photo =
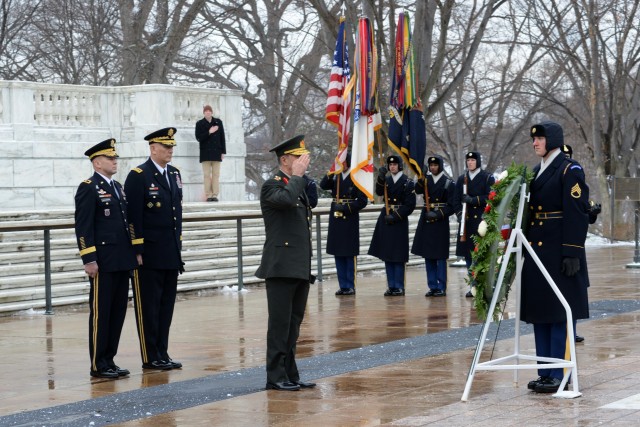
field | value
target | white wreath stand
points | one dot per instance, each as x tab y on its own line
517	241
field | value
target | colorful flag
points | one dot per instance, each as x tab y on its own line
366	117
407	130
338	111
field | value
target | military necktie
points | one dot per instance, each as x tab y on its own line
114	190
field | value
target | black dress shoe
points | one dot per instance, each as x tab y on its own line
387	293
160	365
214	199
579	338
469	295
397	292
549	385
174	364
283	386
120	371
346	291
209	199
430	293
532	384
104	373
304	384
439	293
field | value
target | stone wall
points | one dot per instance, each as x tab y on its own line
46	128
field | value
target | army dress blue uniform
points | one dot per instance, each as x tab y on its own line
343	237
557	233
390	241
155	215
433	234
286	267
102	234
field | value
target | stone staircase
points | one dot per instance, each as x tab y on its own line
209	251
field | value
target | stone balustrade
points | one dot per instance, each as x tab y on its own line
46	128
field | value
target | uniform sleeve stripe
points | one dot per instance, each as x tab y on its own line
137	241
87	251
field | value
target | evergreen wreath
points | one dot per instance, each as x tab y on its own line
498	220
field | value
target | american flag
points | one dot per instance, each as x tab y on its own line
338	107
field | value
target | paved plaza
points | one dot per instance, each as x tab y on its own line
400	361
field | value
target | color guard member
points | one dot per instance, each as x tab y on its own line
343	238
478	186
390	241
432	234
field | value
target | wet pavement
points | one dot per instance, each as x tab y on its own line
377	360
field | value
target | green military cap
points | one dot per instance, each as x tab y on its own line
294	146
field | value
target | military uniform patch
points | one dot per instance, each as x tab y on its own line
576	191
87	181
137	170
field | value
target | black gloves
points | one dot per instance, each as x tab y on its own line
595	209
383	171
431	215
459	216
468	199
389	219
339	207
570	266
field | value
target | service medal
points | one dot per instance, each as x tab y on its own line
158	205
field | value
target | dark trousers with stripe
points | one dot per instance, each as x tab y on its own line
154	296
346	267
395	274
286	300
436	274
551	341
108	296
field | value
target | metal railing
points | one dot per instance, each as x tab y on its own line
46	225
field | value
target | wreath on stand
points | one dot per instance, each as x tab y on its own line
499	218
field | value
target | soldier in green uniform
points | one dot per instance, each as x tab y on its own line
286	261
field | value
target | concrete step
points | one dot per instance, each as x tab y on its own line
209	251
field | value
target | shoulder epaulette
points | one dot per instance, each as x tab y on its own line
87	181
137	170
176	168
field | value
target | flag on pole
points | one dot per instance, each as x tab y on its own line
407	129
366	117
338	111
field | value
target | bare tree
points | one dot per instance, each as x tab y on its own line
16	19
152	35
596	45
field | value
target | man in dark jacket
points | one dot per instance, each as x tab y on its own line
286	261
106	251
557	232
154	189
210	135
390	241
432	234
472	189
343	238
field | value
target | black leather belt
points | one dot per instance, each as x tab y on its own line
437	205
548	215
